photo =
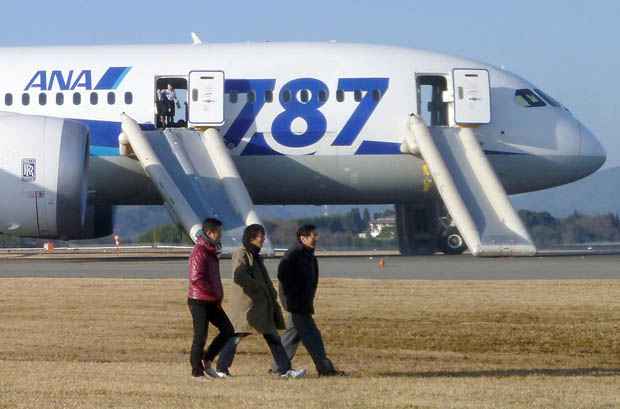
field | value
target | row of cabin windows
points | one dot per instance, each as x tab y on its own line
76	98
305	96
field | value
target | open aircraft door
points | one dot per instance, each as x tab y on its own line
461	172
192	168
206	99
472	96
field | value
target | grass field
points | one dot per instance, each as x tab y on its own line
103	343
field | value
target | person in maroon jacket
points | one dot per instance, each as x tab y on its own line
205	296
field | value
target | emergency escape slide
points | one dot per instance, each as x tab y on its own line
195	175
471	191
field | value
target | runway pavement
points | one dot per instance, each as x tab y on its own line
423	267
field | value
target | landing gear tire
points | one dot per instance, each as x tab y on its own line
451	242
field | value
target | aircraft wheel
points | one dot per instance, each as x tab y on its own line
452	243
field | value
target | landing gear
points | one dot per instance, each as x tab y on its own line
426	227
415	228
451	242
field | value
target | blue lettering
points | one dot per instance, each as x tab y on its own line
58	77
301	98
364	110
38	81
83	80
253	106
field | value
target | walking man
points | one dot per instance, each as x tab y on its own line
298	274
205	296
254	305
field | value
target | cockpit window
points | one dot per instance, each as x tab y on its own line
526	98
547	98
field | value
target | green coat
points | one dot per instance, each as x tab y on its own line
253	298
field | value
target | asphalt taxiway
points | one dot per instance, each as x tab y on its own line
435	267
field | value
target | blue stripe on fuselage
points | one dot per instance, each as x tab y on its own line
104	136
104	142
378	148
103	150
112	78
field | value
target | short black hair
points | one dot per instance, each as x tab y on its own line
305	230
211	224
251	232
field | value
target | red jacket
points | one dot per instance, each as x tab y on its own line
205	283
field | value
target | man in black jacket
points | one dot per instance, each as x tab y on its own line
298	274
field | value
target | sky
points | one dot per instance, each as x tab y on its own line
571	49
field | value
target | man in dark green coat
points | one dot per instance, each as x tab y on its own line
254	304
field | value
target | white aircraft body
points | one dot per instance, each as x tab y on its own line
301	123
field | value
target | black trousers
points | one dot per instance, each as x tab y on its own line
171	112
204	313
302	329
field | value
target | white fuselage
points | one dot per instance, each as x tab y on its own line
305	122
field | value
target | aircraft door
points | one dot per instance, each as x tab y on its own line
472	96
206	98
433	99
170	99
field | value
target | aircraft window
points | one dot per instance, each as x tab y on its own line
357	95
94	98
526	98
233	97
304	96
60	98
42	99
547	98
128	98
340	95
376	94
269	96
251	97
8	99
111	98
77	98
25	99
322	95
286	96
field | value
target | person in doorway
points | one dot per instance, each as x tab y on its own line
171	102
205	296
298	274
161	106
255	305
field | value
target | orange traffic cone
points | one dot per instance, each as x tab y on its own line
48	246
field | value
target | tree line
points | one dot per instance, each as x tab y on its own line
341	231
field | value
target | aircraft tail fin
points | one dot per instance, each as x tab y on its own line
196	40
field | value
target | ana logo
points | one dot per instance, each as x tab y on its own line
29	170
74	79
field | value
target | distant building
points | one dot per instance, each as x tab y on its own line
378	226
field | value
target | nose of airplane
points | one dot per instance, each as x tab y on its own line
592	153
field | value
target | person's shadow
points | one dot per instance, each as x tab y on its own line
504	373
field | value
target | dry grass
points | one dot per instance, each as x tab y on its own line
80	343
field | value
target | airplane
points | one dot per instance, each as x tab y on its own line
444	138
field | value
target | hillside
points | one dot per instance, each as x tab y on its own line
597	194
